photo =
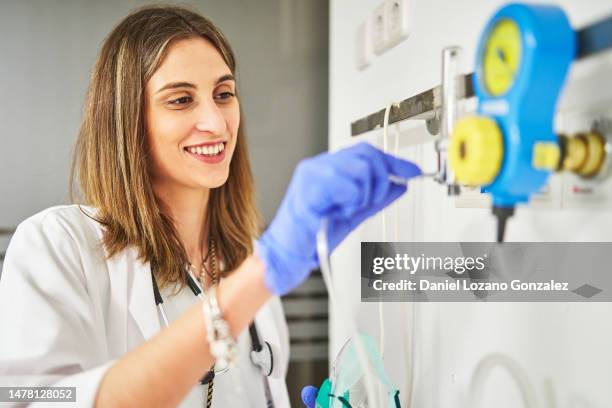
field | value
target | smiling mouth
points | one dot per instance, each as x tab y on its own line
207	150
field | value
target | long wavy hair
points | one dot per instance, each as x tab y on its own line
110	162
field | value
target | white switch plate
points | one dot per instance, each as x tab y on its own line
378	25
398	25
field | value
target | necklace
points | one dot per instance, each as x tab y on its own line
212	254
204	267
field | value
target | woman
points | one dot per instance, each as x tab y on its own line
162	167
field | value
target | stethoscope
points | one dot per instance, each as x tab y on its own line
261	353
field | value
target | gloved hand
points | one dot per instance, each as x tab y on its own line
346	187
309	396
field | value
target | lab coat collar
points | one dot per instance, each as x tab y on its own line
141	302
131	280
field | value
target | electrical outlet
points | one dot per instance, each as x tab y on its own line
378	24
398	26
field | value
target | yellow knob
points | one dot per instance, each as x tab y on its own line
546	156
596	154
576	152
585	153
476	150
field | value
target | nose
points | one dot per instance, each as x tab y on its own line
211	119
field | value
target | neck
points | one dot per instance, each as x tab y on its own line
188	210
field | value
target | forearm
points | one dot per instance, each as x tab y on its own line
163	370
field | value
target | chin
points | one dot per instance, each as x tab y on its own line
216	182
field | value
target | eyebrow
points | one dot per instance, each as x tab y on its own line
174	85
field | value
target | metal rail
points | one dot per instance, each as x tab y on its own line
420	106
592	39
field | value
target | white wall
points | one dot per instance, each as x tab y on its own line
563	345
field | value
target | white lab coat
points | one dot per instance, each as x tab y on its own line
67	313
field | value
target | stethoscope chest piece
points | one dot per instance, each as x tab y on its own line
263	358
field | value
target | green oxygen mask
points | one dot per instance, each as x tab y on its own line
347	389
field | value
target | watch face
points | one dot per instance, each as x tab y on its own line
501	57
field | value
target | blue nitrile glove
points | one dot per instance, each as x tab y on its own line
314	397
345	187
309	396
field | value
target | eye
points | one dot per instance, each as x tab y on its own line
183	100
224	95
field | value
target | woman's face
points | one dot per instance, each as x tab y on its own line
192	117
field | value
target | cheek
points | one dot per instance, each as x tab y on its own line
164	134
163	130
233	123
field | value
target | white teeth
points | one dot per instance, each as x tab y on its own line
207	150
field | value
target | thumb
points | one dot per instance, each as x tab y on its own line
309	396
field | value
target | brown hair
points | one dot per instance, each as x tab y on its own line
111	152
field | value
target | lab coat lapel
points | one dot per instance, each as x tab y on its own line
141	300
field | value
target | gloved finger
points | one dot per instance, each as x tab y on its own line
376	174
358	169
401	167
339	228
374	181
379	174
382	165
369	169
355	162
328	191
395	192
309	396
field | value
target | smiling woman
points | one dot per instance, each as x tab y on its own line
184	107
165	199
194	198
141	294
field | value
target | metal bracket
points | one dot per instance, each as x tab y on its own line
426	106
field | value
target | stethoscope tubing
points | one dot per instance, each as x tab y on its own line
197	291
256	343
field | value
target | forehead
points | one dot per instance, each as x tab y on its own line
193	60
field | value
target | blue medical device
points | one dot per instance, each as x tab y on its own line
525	112
509	148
